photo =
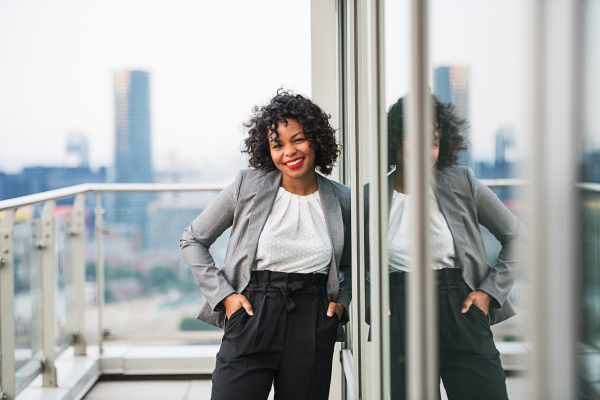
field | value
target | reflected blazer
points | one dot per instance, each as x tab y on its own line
465	203
244	206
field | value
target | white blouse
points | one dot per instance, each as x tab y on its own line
442	244
295	237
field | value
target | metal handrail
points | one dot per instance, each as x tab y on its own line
71	191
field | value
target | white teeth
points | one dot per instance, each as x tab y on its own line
295	162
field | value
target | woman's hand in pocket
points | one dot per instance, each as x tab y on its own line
480	300
337	308
235	302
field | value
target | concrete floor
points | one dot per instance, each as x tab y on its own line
200	390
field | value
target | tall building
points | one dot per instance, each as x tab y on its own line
133	152
506	146
452	85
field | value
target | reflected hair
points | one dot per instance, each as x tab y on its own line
262	128
449	124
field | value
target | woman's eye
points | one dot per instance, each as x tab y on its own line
300	140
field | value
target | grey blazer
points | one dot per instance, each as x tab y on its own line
465	203
245	205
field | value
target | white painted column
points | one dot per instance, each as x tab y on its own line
555	249
324	62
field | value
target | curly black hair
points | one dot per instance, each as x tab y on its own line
283	106
450	126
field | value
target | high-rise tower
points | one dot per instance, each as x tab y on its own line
133	152
133	155
451	84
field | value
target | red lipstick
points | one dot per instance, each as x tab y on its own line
296	165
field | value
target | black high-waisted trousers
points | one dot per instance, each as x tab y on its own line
287	343
469	361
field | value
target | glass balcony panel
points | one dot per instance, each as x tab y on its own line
150	291
63	270
28	296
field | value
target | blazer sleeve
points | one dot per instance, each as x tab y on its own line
201	234
509	231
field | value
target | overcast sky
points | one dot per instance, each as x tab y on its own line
211	61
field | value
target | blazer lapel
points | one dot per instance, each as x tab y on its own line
451	212
333	215
261	208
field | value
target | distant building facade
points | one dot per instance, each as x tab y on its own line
133	150
33	180
452	85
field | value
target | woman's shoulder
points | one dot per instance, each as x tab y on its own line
461	178
250	177
339	189
458	174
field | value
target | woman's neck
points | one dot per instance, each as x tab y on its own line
399	185
302	185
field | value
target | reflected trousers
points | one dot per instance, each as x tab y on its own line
288	343
469	362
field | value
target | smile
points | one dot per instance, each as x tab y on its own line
295	163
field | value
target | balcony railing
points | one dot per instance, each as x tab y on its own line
31	251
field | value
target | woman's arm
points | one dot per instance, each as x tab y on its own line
509	231
201	234
345	268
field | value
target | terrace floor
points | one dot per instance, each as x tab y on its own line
200	390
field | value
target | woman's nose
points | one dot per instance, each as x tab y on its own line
289	150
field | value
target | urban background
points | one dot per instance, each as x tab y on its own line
105	96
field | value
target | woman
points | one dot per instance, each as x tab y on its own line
285	285
471	293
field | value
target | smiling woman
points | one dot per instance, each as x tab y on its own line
284	289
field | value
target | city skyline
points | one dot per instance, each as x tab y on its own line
208	72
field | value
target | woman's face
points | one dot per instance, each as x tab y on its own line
402	152
292	153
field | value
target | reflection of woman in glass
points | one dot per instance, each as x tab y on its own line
472	294
281	293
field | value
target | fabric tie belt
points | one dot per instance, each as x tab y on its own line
448	280
280	287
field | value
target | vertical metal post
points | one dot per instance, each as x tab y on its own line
554	246
357	197
99	212
423	377
78	238
378	212
360	178
48	323
7	318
